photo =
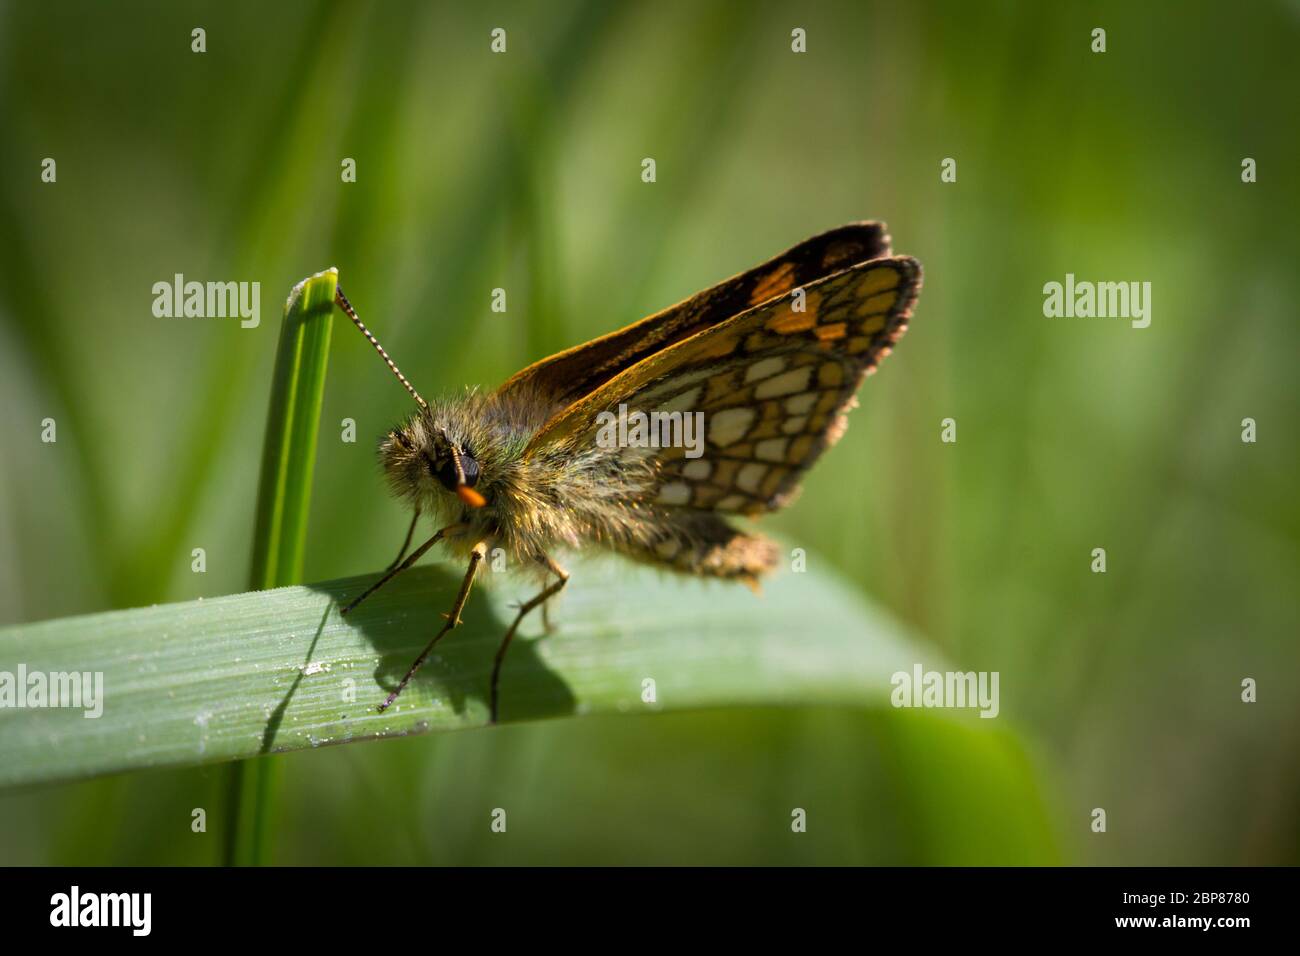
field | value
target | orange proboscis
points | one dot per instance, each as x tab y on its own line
470	497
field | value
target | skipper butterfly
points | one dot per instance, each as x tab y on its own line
768	362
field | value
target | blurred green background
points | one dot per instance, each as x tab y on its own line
523	171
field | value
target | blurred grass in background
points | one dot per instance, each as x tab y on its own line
523	171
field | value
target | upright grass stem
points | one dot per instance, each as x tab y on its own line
280	532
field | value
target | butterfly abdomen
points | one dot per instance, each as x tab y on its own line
706	545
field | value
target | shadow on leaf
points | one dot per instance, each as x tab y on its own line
399	619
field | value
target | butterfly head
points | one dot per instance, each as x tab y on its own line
423	462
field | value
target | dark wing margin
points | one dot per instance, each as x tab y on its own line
576	372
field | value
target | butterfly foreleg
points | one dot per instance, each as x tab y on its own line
453	621
540	598
407	543
414	556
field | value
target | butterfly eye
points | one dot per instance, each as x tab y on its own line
446	472
469	465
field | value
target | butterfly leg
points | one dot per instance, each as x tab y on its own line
453	621
407	543
541	598
414	556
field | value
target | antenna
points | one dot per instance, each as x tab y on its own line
346	306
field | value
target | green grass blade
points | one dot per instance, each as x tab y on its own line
283	504
293	421
270	671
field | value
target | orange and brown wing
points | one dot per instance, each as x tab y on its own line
773	382
576	372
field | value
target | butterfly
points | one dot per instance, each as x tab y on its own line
765	365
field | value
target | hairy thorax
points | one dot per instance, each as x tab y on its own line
535	499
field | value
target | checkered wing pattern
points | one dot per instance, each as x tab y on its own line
774	383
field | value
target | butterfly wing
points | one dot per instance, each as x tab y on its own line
774	383
572	374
